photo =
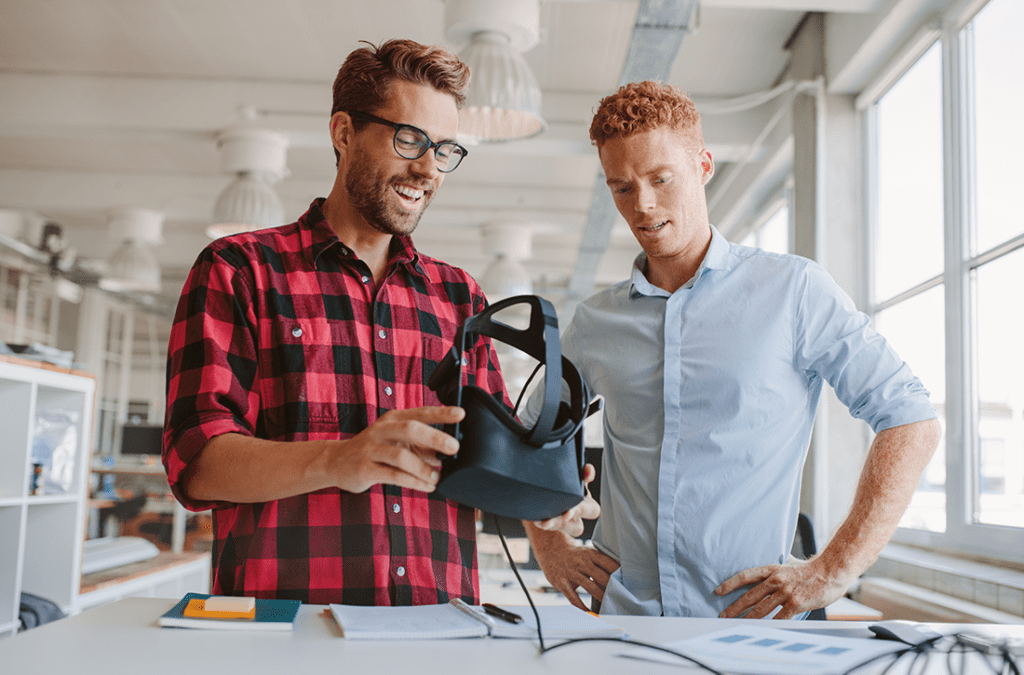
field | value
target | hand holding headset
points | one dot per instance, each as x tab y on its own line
502	467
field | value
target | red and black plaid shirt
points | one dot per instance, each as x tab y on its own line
280	334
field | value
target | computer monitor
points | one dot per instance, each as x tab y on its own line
141	439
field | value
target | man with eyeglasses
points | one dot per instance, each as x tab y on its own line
297	404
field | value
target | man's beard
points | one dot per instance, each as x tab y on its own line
368	193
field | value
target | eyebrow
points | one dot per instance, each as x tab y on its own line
656	170
443	140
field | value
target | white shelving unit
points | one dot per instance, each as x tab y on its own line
40	535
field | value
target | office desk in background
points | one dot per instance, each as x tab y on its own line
123	639
151	468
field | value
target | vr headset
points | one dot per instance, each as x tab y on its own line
502	467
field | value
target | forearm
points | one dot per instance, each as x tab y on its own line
544	541
891	472
241	469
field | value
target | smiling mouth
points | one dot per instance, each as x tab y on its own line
408	194
653	228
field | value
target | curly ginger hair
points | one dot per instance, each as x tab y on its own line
643	106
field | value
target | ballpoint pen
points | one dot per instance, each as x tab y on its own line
502	614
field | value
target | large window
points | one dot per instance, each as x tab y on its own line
947	260
773	233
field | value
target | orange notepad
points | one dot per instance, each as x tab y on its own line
199	610
196	609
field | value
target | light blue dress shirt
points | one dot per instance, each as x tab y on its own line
710	394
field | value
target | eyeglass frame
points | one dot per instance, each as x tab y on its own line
430	145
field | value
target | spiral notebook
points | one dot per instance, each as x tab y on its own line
460	620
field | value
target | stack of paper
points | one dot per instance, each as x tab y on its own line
435	622
750	649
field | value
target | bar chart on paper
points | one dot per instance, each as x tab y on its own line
757	650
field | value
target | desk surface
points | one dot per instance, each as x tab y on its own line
124	637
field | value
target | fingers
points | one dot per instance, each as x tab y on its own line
569	522
415	427
574	599
400	448
745	578
749	601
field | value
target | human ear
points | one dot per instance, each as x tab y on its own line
707	165
341	131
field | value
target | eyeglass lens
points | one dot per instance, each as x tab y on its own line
411	143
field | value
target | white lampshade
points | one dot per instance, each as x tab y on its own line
509	242
256	158
503	103
504	278
247	203
133	266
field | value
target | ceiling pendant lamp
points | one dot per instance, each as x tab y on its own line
256	158
133	267
504	100
510	243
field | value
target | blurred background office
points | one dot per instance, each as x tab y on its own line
878	137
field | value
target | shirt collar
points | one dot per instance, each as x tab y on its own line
317	236
715	259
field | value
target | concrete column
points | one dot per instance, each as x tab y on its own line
828	226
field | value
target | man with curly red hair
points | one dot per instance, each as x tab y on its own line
711	359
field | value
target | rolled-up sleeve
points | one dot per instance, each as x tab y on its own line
834	341
211	365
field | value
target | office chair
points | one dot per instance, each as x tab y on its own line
122	511
804	547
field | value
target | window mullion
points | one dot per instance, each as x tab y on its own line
960	371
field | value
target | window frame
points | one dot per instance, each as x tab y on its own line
955	37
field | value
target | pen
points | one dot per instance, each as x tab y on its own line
502	614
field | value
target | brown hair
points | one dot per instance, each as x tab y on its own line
364	80
643	106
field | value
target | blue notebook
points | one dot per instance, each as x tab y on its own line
269	615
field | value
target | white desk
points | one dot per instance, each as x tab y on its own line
123	638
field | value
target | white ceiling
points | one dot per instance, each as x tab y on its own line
107	103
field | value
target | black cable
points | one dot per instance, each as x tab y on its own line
540	633
922	653
519	399
536	615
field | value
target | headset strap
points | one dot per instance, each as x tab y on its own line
540	340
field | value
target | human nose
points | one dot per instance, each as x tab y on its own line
644	199
426	165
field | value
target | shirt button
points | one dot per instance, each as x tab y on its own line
382	333
465	362
400	571
387	390
366	279
396	508
296	332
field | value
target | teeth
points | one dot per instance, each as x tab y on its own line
655	228
408	192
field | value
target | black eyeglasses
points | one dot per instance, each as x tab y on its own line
413	143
